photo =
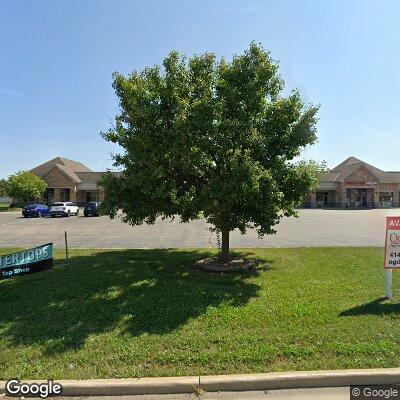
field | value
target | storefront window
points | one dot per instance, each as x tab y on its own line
386	199
65	194
322	199
359	197
92	197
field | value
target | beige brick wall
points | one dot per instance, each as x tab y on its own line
362	174
57	179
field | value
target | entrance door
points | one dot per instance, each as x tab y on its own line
361	198
322	199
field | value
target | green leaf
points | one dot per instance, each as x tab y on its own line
208	138
24	186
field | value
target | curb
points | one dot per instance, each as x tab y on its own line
301	379
231	383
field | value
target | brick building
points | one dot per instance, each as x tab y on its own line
351	184
69	180
356	184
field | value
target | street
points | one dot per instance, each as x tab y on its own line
338	393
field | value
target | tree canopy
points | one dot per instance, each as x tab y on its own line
24	186
210	138
2	187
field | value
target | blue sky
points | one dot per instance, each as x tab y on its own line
57	58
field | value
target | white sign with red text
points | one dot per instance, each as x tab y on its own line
392	243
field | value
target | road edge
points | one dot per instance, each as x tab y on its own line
214	383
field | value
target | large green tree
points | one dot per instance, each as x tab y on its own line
2	187
24	186
210	138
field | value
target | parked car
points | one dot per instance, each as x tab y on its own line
35	210
64	209
91	208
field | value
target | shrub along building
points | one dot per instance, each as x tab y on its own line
356	184
69	180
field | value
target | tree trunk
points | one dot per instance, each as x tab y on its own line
225	243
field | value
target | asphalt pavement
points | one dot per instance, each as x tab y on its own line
337	393
312	228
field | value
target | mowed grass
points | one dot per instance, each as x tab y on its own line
134	313
6	207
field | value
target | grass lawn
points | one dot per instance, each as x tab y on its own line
146	313
6	207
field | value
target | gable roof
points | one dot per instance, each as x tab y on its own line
350	165
91	176
76	171
69	167
346	163
327	176
67	171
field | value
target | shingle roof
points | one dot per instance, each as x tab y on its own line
77	171
70	167
346	163
89	176
93	177
327	176
68	171
75	166
344	169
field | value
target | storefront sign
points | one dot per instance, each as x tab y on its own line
361	183
392	243
27	261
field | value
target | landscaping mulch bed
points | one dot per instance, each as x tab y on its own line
226	265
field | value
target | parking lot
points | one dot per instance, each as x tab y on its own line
312	228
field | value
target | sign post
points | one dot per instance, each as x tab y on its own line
66	248
392	252
388	284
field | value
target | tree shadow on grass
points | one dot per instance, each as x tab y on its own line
129	291
380	306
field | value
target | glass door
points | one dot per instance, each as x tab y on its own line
361	198
322	199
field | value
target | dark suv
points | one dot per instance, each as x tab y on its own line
91	208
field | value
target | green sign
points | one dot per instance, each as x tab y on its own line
37	259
